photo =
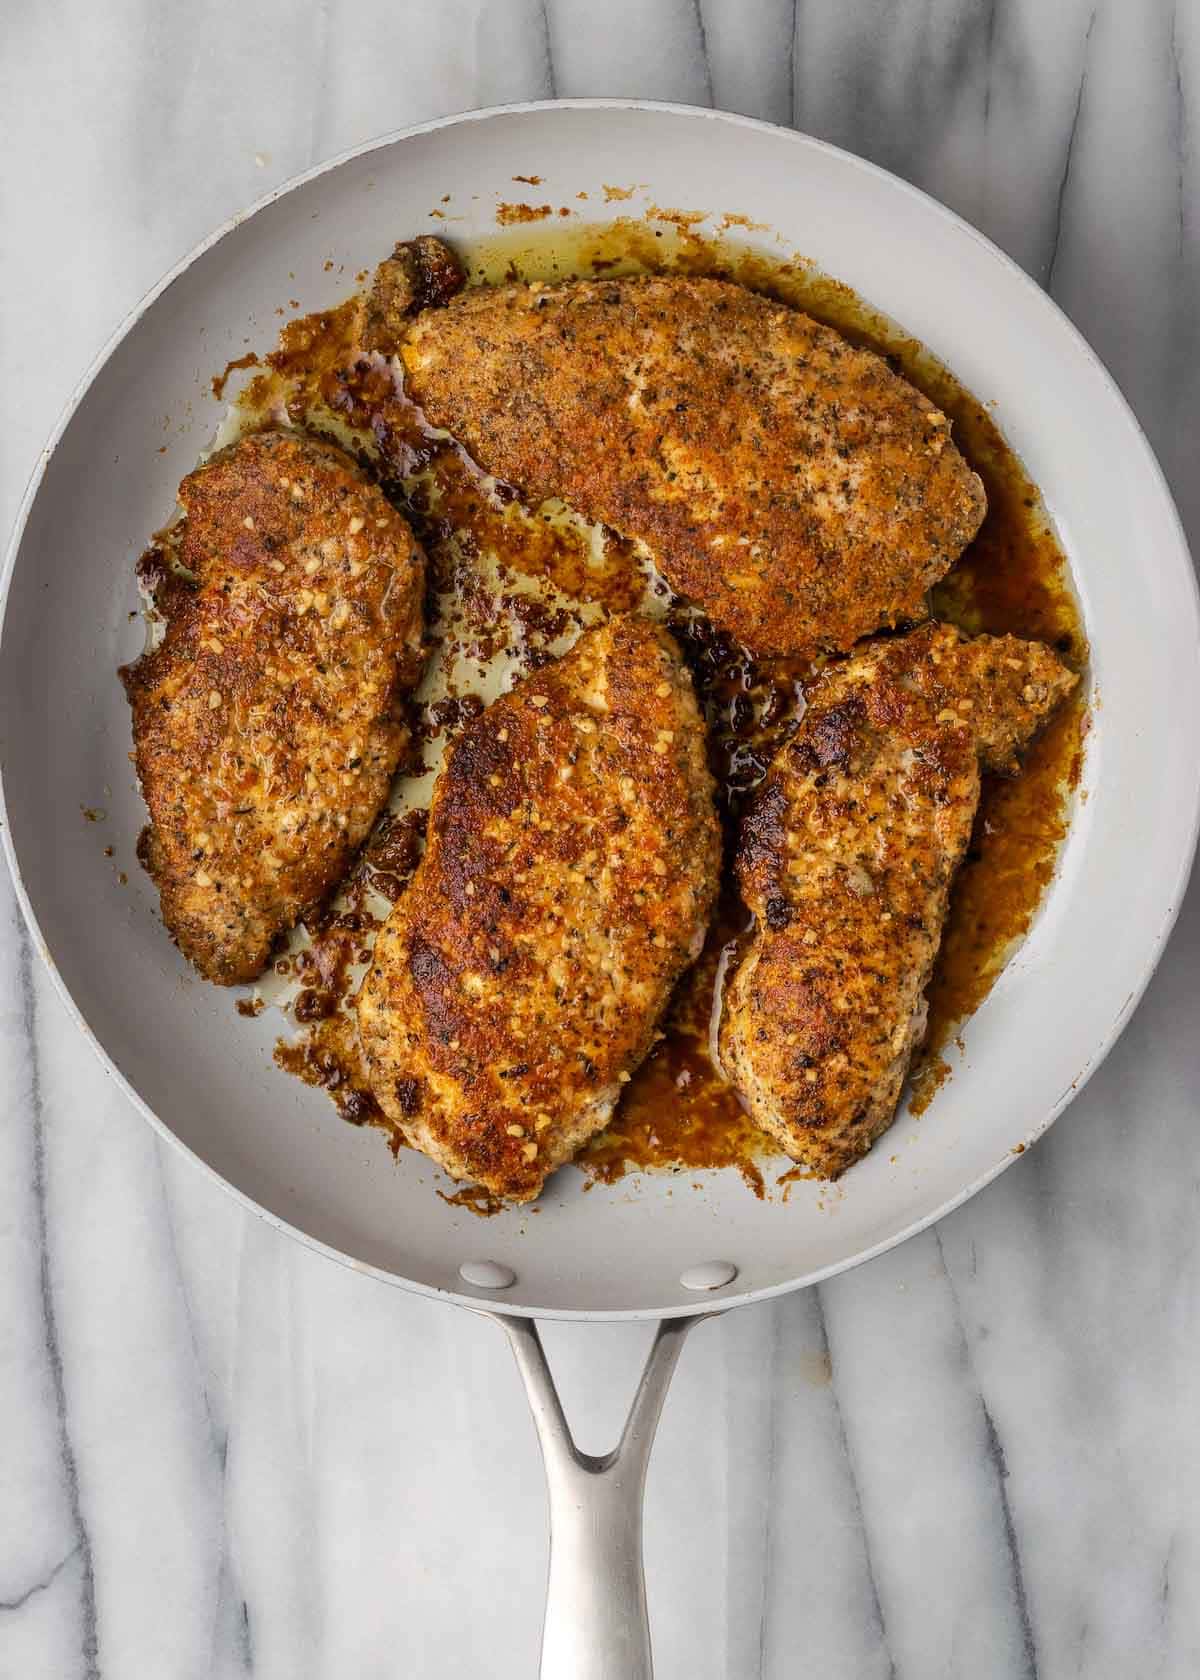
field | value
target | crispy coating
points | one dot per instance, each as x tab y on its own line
846	861
419	274
268	723
570	872
786	481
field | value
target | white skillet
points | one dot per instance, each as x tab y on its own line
203	1076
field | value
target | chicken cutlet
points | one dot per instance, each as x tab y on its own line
570	872
269	721
785	480
846	860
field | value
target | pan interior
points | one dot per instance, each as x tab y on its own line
206	1073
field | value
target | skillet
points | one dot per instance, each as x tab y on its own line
653	1247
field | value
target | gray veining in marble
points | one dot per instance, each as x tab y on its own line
976	1457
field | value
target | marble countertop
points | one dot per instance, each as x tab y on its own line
978	1456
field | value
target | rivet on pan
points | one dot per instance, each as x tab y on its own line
713	1274
487	1274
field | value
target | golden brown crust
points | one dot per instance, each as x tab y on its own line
267	724
570	872
846	861
786	481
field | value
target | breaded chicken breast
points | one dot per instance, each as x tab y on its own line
846	860
268	723
570	872
786	481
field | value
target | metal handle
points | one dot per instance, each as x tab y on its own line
596	1626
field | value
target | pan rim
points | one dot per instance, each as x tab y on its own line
1179	559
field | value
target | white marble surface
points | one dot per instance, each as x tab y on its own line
980	1456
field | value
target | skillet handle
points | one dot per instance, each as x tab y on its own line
596	1626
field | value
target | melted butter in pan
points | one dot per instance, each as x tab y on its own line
511	587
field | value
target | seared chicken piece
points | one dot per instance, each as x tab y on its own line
568	879
267	724
846	860
419	274
787	482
